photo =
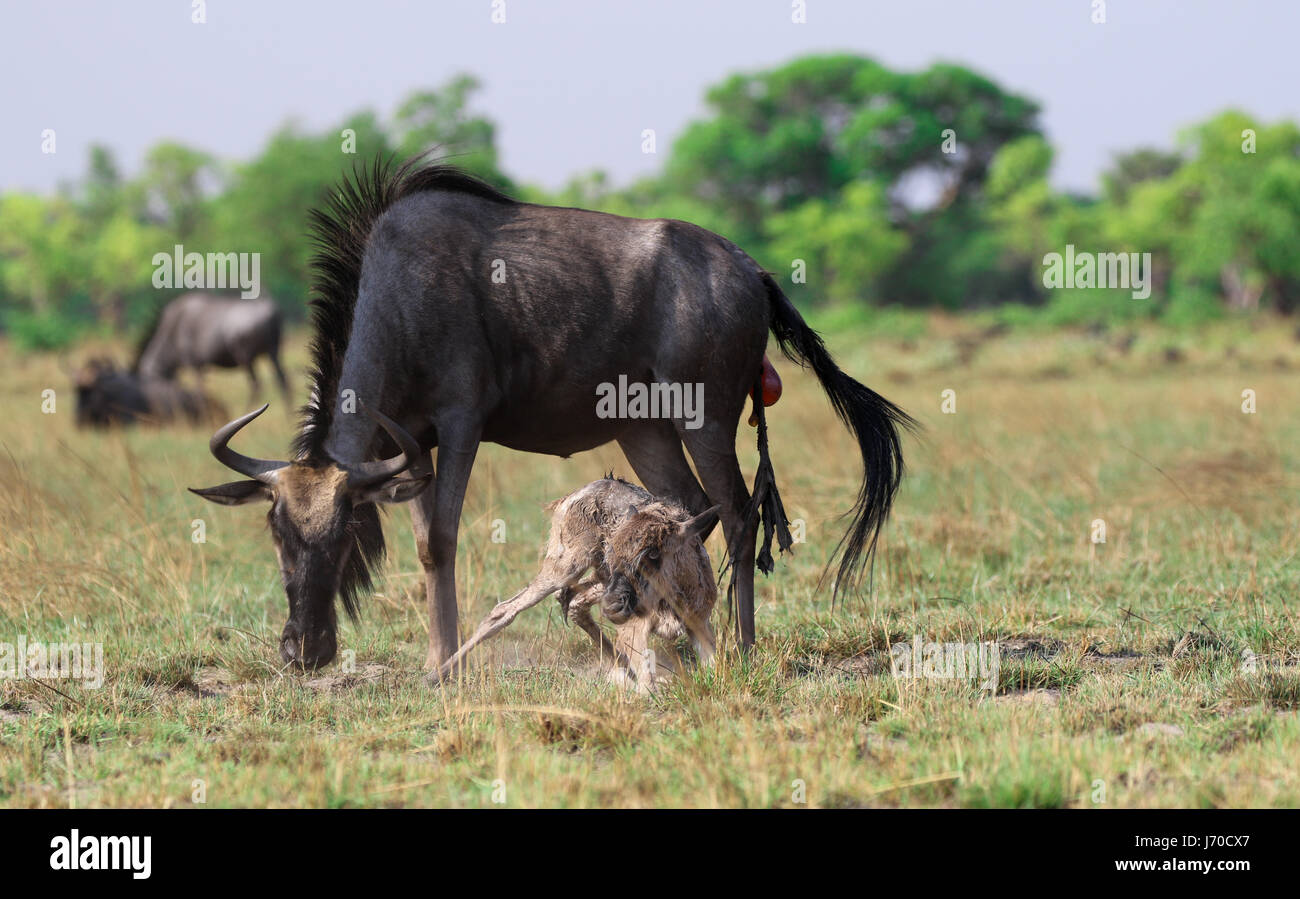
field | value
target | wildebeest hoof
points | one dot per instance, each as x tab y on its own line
444	674
436	678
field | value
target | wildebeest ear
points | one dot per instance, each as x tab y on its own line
395	490
700	525
236	493
633	511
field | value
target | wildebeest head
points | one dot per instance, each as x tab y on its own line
316	508
106	395
639	548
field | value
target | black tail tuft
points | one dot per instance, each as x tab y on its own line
765	500
874	421
764	505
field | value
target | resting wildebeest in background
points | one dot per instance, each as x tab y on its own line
107	395
197	330
467	316
649	571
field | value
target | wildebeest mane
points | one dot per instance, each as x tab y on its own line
340	230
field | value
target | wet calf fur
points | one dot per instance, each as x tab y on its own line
648	574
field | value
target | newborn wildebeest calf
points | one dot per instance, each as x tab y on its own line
649	571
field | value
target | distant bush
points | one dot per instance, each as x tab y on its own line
1019	315
1192	306
1081	308
881	321
43	331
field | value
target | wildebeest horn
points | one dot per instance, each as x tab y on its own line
259	469
368	474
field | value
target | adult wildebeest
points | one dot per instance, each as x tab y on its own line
107	395
196	330
467	316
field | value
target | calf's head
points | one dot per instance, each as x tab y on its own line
107	395
322	515
639	549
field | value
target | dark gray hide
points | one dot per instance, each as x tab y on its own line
108	396
197	330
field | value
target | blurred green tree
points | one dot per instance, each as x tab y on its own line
842	246
807	130
439	120
265	208
175	187
39	239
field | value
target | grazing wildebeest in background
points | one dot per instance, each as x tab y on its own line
197	330
107	395
468	316
650	574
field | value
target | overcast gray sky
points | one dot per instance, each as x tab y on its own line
572	83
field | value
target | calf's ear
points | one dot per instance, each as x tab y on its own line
395	490
700	525
236	493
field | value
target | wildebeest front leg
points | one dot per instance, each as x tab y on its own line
255	383
421	525
456	450
280	378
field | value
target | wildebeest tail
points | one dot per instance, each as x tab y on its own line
874	421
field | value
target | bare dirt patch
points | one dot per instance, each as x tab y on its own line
212	681
865	664
1047	697
335	683
1154	729
1024	647
1120	661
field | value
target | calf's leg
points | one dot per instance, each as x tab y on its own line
632	643
500	617
702	638
577	602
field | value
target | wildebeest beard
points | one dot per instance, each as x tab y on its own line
360	534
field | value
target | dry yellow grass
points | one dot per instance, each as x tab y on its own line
1156	669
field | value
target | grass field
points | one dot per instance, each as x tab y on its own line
1159	668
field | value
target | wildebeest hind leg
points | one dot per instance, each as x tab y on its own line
713	449
654	451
